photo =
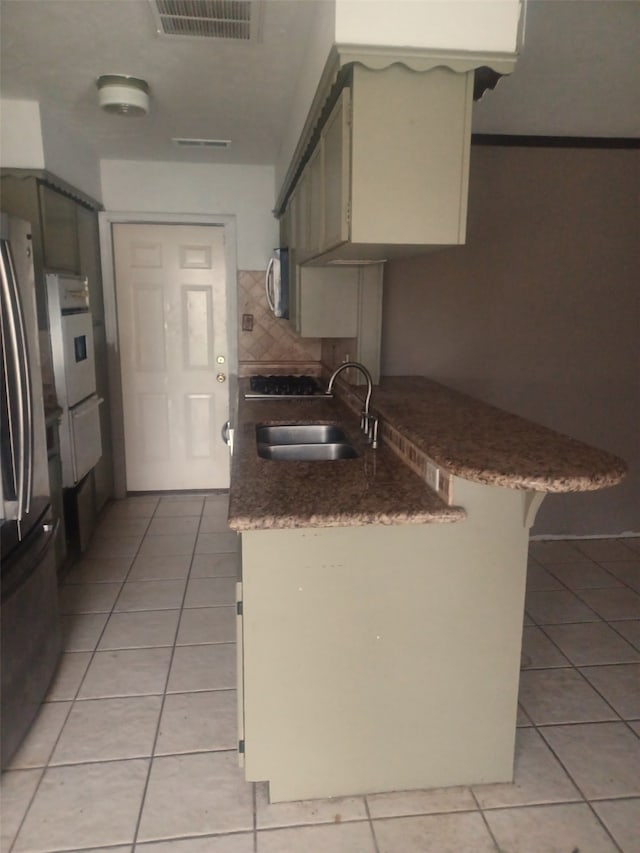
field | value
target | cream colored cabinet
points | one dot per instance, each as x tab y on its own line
301	216
322	209
389	174
308	215
364	649
336	150
285	228
315	200
323	301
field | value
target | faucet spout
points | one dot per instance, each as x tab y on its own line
368	424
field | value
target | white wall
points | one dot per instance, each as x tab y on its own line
246	192
487	25
68	157
21	135
31	138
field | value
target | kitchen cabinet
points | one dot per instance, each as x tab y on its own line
389	173
60	231
381	651
309	208
336	147
359	667
323	301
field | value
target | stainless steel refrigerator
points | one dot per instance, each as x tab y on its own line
30	628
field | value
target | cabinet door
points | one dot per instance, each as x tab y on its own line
315	201
60	231
327	302
294	291
336	148
302	217
292	211
285	228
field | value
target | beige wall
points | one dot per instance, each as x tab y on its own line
540	312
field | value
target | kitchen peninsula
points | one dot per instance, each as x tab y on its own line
381	619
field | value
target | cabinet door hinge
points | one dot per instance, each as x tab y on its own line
239	610
241	747
348	214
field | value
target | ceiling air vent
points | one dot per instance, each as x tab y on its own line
218	19
201	143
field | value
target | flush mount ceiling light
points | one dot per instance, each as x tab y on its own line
127	96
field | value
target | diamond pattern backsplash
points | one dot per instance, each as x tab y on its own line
272	340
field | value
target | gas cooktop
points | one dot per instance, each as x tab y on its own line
267	387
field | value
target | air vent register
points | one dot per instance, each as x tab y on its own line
218	19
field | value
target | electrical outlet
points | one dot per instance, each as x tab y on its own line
433	476
247	322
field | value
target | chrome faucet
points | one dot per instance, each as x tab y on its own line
368	422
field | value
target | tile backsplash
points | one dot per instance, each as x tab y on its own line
271	340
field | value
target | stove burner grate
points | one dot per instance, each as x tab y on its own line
284	386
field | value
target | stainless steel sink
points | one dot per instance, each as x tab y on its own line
307	452
300	434
304	442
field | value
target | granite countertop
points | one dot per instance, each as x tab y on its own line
466	437
375	488
485	444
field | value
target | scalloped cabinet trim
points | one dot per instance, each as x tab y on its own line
343	56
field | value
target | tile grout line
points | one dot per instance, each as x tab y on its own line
483	815
371	824
46	765
538	727
572	665
154	744
254	797
580	790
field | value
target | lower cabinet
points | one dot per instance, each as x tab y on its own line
363	649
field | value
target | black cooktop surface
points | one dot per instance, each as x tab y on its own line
283	386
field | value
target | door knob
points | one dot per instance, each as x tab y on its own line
221	377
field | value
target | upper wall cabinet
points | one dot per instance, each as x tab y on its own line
389	173
60	231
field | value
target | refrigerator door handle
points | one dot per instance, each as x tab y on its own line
19	390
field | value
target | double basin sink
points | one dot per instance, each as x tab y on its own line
309	442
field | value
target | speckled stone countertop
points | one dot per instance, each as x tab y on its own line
480	442
375	488
465	436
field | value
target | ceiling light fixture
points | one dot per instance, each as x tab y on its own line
123	95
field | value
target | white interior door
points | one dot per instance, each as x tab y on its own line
171	300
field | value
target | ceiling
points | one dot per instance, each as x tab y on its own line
578	75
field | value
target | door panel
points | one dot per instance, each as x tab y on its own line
170	289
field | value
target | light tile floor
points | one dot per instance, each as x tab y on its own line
134	748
